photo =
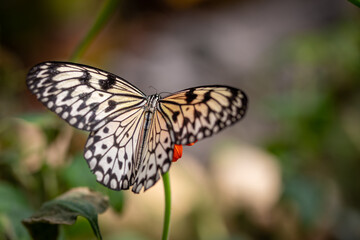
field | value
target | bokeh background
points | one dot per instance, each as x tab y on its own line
289	170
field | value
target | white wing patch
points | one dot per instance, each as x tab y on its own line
110	151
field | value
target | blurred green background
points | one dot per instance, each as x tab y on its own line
289	170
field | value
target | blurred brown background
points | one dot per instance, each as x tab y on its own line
289	170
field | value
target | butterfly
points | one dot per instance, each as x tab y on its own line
132	136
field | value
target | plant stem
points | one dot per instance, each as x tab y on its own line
106	11
102	18
167	192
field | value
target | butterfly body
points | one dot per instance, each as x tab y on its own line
132	136
149	111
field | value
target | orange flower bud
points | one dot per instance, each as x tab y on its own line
178	149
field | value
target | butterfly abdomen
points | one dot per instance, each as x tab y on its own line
149	111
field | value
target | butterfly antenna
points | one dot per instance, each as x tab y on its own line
154	89
165	92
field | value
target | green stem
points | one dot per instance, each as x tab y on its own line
167	192
102	18
106	11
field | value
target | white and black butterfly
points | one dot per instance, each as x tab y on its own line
132	135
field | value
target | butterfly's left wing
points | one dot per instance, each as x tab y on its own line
86	97
111	151
199	112
94	100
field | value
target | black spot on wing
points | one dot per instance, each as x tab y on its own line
111	106
234	91
207	96
84	79
120	165
197	113
190	96
97	138
108	83
175	115
84	96
82	106
53	70
52	89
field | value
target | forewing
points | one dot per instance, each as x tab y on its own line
158	153
110	151
86	97
196	113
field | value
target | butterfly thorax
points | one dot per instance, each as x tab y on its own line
151	104
150	109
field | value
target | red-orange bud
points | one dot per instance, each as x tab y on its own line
178	149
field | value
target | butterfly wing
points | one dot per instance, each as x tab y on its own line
196	113
97	101
158	151
110	151
86	97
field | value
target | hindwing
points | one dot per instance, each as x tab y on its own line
110	151
158	153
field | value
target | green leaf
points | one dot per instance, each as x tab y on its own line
355	2
13	208
116	198
71	177
64	210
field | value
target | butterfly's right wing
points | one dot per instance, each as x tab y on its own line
158	153
86	97
197	113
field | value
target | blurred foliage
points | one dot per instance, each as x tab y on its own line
315	125
28	178
355	2
313	105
